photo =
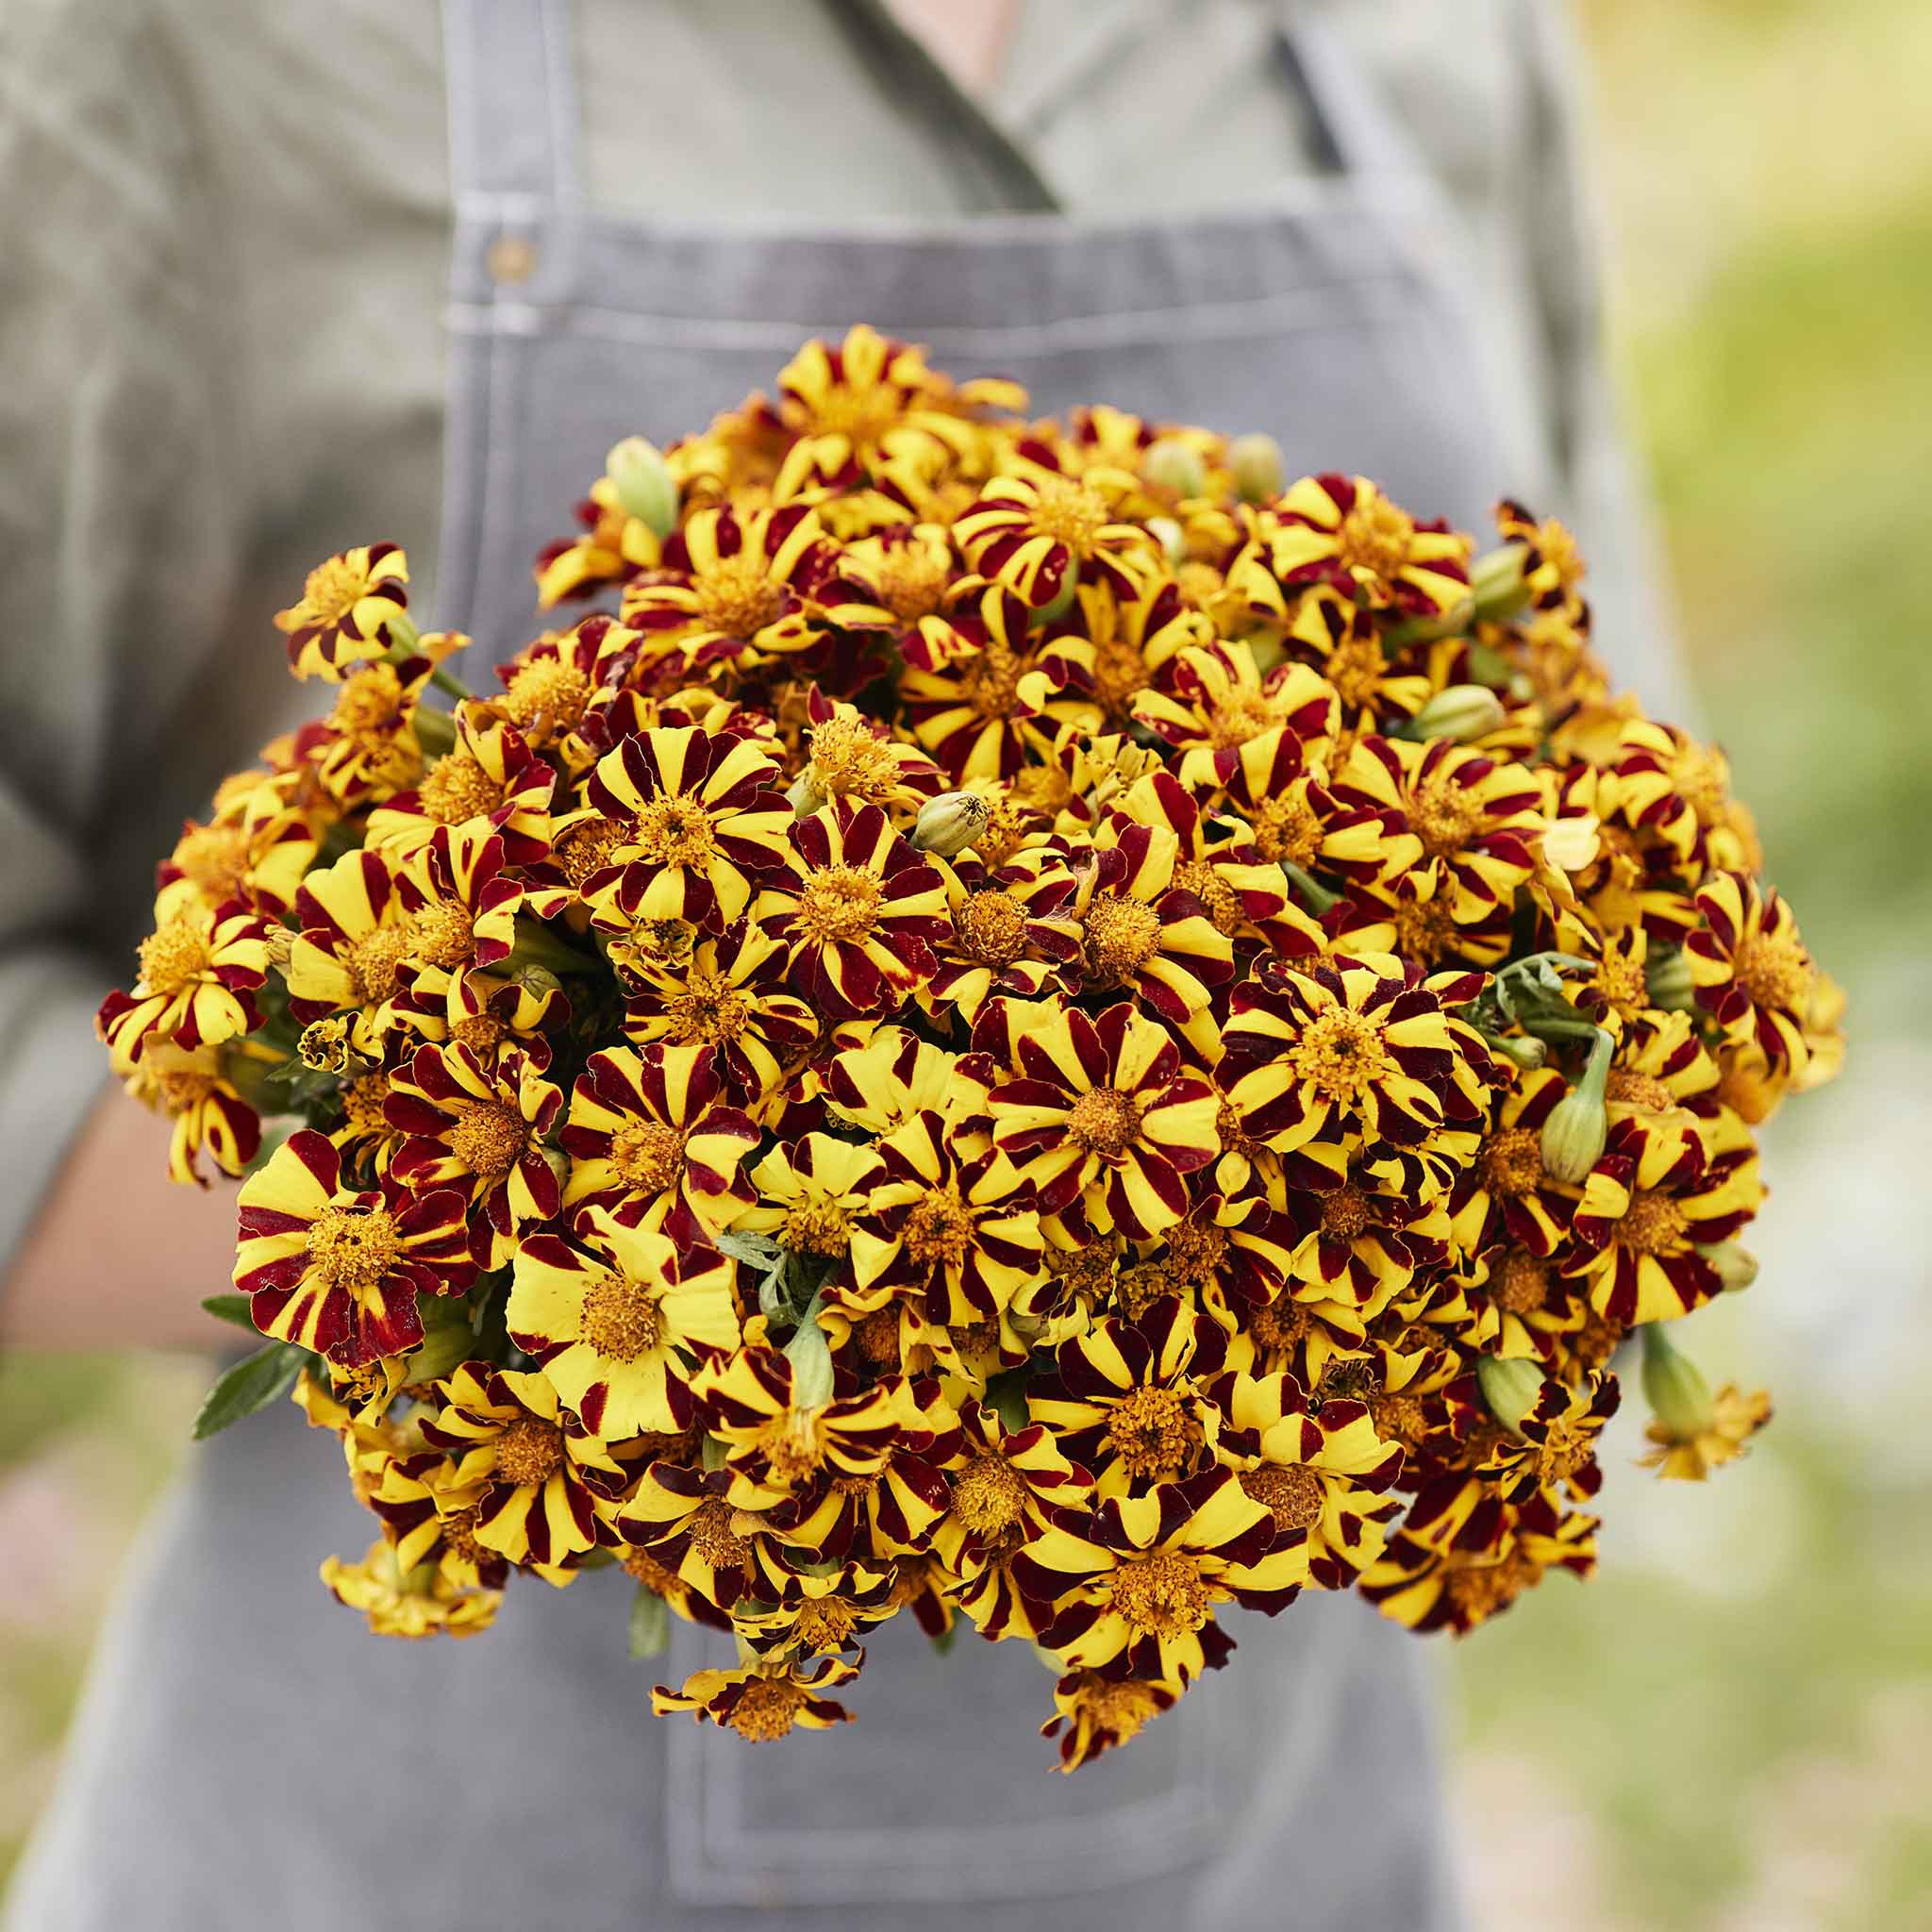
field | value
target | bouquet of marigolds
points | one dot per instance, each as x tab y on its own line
1036	1024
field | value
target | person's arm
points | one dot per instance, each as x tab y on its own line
118	1254
118	525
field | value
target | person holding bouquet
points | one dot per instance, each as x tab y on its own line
280	280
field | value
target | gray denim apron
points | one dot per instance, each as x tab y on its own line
249	1755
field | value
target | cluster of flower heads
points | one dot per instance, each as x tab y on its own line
1035	1027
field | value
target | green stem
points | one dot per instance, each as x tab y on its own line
1317	899
446	681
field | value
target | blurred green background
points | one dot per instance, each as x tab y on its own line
1731	1729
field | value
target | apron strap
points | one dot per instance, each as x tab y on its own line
1351	128
514	136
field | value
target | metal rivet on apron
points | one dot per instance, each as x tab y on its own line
512	258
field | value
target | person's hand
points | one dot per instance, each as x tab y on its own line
120	1256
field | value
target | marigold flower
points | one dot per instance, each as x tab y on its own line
859	911
199	972
478	1124
1750	968
1360	1043
764	1700
1342	530
1138	1582
339	1269
1099	1112
420	1602
614	1322
347	611
1041	533
653	1138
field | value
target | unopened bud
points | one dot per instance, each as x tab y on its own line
1060	602
643	483
1736	1266
1679	1396
1525	1051
280	940
1573	1136
1669	983
810	1355
950	822
1460	712
1511	1389
1495	582
804	796
1256	466
1176	467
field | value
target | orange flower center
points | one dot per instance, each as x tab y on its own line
1119	935
1633	1088
173	957
672	831
1775	970
994	692
1105	1122
768	1708
332	589
816	1227
620	1318
992	928
1280	1325
459	789
1513	1163
1340	1055
647	1155
1161	1595
1345	1215
1218	898
1653	1224
1522	1285
1355	668
375	960
1292	1494
709	1010
938	1228
1153	1435
1444	816
1195	1250
839	904
215	858
353	1248
1068	512
736	597
547	697
717	1543
529	1452
489	1139
988	1497
442	934
848	761
1375	537
1286	827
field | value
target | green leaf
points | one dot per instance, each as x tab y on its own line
943	1640
230	1307
650	1624
252	1383
758	1250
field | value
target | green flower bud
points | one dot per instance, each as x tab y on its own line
1679	1396
1495	582
1511	1389
1258	470
1669	983
1528	1052
1573	1136
1736	1265
811	1356
1460	712
642	480
804	795
1174	466
950	822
